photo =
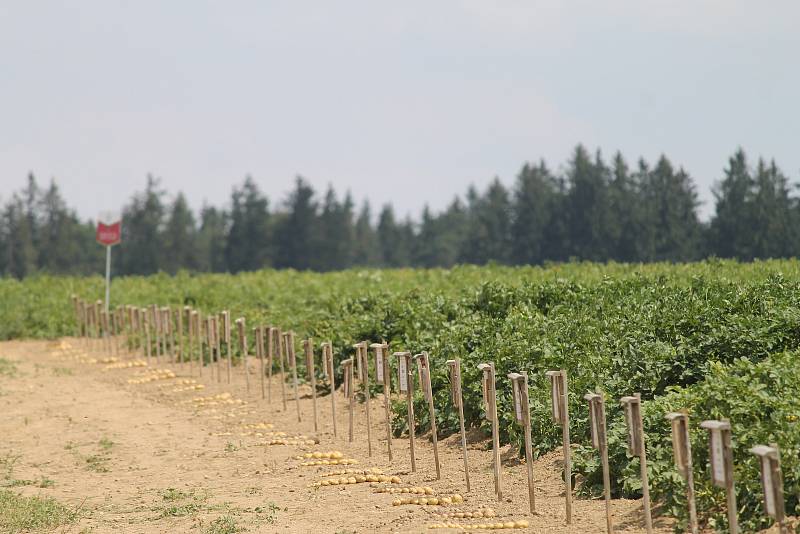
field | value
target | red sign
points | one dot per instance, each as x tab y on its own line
109	234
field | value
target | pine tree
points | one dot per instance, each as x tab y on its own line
774	217
589	207
626	210
180	238
732	222
60	238
336	233
211	240
297	233
143	220
247	246
366	250
534	208
669	200
393	240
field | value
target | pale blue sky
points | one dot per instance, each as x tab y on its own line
407	102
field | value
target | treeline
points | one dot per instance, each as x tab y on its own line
594	210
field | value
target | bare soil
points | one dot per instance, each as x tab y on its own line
146	456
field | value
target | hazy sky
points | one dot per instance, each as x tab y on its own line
407	102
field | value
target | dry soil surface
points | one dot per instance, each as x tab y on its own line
187	453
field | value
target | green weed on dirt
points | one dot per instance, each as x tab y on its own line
22	514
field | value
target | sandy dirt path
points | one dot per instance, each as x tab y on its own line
144	456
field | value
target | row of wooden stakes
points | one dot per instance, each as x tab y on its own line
143	326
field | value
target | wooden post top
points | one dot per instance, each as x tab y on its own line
765	451
715	426
593	397
673	416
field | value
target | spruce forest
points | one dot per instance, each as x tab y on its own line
593	210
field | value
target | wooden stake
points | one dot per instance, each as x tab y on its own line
682	451
279	341
454	367
211	343
383	374
219	323
240	326
270	333
198	340
772	482
170	332
146	324
349	393
362	362
424	368
288	338
179	332
327	358
636	445
258	333
490	403
406	383
559	393
189	338
721	458
226	337
156	324
522	413
597	425
308	346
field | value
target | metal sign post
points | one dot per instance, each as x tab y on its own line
108	233
636	447
772	481
406	383
424	367
597	424
522	414
454	370
682	452
721	457
490	407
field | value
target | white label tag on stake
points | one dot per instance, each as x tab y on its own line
769	489
717	458
379	363
403	372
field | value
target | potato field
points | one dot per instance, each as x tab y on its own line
719	340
